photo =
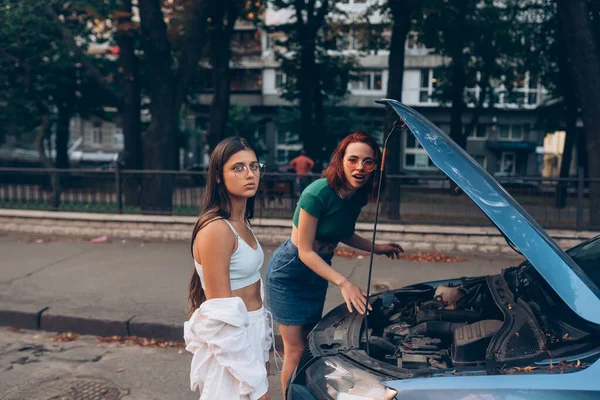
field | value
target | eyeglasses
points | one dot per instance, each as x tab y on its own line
256	169
368	164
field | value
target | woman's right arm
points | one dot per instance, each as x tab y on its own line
214	246
307	230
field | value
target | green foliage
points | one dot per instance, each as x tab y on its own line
333	69
485	36
39	72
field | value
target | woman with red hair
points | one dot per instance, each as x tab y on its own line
300	271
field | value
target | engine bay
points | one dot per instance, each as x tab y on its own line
491	321
449	326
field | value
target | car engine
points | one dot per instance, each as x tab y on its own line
450	326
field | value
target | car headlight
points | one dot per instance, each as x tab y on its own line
337	379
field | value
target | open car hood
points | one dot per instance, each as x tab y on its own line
553	264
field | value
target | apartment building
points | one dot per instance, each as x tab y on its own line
506	141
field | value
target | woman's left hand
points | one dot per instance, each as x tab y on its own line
390	250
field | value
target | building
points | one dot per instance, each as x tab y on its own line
507	140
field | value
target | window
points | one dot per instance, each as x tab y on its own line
272	39
427	87
507	163
97	133
415	156
288	144
118	140
246	42
510	132
347	38
367	81
479	133
246	80
481	160
280	79
522	90
412	42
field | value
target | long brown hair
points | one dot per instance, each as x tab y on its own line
335	170
216	204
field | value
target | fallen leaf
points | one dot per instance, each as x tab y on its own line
565	336
100	239
120	370
138	341
65	337
13	329
529	368
418	257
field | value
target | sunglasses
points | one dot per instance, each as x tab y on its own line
368	164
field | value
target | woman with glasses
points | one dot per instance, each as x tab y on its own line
300	271
229	332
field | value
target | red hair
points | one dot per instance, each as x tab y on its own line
335	170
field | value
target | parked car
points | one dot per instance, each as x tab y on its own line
529	332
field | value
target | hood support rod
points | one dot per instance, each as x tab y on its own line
381	169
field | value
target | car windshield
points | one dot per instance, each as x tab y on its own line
587	256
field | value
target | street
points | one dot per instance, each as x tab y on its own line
34	367
124	281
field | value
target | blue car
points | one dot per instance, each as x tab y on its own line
530	332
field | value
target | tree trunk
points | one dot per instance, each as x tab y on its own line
583	52
221	34
320	129
402	11
306	86
131	156
61	140
458	104
167	93
571	111
582	159
41	136
567	156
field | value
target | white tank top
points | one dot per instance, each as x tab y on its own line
245	265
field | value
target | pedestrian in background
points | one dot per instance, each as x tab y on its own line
302	165
229	333
299	271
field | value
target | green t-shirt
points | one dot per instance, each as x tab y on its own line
337	216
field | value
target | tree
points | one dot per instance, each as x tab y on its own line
223	15
400	13
41	77
584	56
317	73
481	42
171	62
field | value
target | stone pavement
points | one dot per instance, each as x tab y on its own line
33	366
131	287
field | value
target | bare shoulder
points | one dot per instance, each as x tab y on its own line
215	231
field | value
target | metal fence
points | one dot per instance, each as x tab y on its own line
554	203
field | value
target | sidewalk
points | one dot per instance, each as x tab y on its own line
130	287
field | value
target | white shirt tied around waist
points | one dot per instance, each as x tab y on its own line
217	335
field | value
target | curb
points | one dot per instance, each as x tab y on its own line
23	319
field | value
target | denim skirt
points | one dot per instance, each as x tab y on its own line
295	293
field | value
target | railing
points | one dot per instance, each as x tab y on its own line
554	203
